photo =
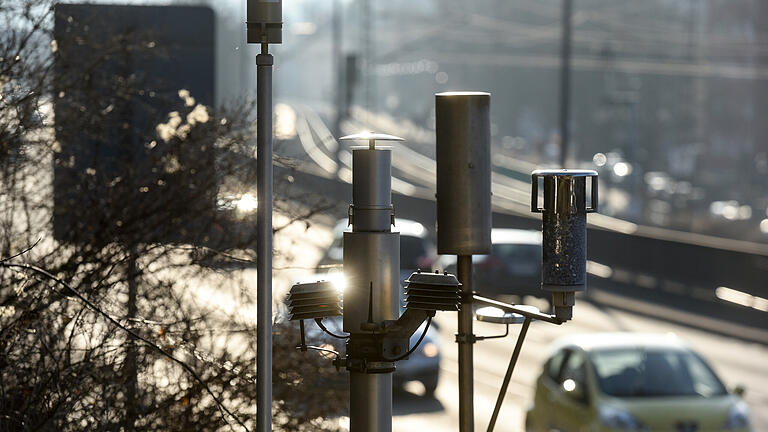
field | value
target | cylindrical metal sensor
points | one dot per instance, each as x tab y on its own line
564	226
371	189
463	172
372	291
371	258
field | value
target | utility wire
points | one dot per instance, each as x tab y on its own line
412	350
322	326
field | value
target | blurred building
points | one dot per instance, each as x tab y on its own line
677	87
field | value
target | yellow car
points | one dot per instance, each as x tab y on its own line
631	382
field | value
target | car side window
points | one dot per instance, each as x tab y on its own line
555	365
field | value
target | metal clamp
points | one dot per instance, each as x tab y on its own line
466	338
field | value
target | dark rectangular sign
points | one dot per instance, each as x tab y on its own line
132	84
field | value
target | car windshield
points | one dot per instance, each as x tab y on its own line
514	251
413	251
636	372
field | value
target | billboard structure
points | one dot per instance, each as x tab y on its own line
131	82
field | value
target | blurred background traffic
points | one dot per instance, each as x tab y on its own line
665	101
664	98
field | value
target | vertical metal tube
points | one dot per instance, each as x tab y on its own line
336	70
264	62
565	80
371	190
463	137
371	259
463	150
370	402
367	21
465	339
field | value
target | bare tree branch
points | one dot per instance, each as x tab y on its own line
149	343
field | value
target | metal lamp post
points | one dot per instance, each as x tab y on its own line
264	26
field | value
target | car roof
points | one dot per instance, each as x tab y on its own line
405	227
604	341
518	236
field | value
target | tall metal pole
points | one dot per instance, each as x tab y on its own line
565	80
463	152
372	269
369	54
336	71
465	338
264	23
264	62
370	402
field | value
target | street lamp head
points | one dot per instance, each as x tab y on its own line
264	22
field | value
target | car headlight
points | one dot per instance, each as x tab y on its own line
618	418
430	349
738	417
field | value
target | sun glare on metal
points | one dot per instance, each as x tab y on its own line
338	280
491	311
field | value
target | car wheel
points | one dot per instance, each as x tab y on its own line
430	386
528	423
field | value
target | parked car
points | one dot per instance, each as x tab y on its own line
512	268
632	382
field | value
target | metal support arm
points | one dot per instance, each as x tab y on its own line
512	308
408	323
529	316
508	376
482	338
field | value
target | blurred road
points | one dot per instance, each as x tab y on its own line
735	361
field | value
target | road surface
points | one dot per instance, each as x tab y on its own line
735	361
